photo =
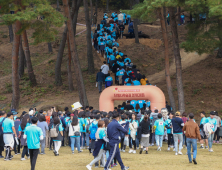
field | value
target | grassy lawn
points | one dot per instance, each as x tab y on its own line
164	160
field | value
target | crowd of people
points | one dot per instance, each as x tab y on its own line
102	133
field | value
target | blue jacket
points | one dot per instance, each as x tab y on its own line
113	131
177	125
100	77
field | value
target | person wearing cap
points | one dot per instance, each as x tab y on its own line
33	134
8	129
192	132
100	78
2	119
213	125
202	133
178	124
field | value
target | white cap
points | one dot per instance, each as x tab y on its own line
31	112
76	105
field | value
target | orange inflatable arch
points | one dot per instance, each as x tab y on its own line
152	93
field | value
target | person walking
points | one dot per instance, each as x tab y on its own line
216	135
159	126
145	131
33	134
192	132
8	129
202	132
113	132
213	125
168	125
2	119
57	140
133	132
74	133
178	124
105	69
24	124
100	78
44	127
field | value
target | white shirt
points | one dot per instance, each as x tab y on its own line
105	69
120	17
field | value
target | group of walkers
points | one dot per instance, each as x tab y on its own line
102	133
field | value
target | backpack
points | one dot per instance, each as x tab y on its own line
87	127
155	117
93	131
1	132
53	132
110	44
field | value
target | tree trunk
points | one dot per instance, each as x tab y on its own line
11	34
75	58
21	59
28	59
179	9
91	7
176	50
15	74
136	21
164	15
96	7
58	8
58	78
70	80
107	5
76	12
50	47
167	63
88	40
219	53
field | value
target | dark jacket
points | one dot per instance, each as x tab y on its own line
98	145
16	125
138	76
115	66
128	107
100	77
145	126
177	125
113	131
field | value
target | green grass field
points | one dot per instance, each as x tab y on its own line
155	160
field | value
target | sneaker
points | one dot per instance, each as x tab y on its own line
102	166
214	141
180	153
174	149
80	151
206	147
176	153
72	152
18	153
201	147
6	159
42	153
130	151
98	52
171	146
152	144
96	166
182	147
190	162
134	152
137	148
23	159
11	157
28	157
158	149
125	168
146	152
218	142
168	149
210	150
1	156
141	151
89	167
115	164
194	161
120	150
144	149
123	151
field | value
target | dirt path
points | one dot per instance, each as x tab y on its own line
187	59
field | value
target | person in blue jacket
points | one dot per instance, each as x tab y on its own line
108	81
33	134
159	126
120	74
113	133
168	125
213	125
136	82
202	133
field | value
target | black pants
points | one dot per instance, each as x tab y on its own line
123	147
170	139
25	151
51	143
17	146
33	157
7	152
1	149
133	142
216	135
